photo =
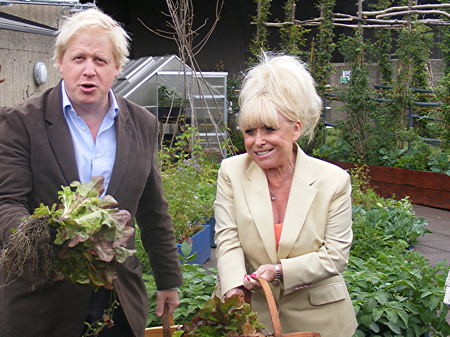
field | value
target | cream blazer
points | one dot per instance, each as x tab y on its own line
313	248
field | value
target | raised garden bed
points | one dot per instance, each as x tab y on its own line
422	187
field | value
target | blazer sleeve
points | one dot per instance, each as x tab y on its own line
332	255
229	253
156	229
15	172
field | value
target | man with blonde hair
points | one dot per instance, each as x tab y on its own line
74	131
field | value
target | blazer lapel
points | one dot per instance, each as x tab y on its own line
59	136
301	197
124	135
258	201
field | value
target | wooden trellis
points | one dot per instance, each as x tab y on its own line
378	19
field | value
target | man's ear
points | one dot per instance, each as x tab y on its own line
118	69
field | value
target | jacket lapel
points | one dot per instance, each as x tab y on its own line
59	136
124	134
301	197
258	201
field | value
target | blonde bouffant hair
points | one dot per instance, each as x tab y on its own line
92	20
279	84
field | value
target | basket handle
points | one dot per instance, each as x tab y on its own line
272	307
167	320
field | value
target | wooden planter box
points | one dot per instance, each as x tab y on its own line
201	244
422	187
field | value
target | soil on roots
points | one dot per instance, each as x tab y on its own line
29	253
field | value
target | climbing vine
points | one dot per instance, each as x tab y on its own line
260	40
323	46
382	45
292	36
413	50
444	87
358	127
320	64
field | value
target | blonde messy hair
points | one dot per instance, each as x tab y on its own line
279	84
92	19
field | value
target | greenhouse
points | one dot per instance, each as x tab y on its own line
175	93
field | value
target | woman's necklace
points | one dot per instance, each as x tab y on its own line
273	197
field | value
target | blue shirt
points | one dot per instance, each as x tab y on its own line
93	158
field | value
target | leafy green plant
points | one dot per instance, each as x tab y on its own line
292	37
440	163
189	181
168	98
197	288
260	39
234	134
375	130
383	227
364	195
323	47
228	318
335	146
380	223
382	150
398	293
394	289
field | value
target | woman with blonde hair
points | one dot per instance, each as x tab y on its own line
281	214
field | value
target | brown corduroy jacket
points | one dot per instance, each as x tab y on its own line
36	158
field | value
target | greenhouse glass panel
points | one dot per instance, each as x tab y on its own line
175	93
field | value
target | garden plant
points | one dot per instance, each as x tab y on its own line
394	289
189	182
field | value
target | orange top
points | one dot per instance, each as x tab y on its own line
278	227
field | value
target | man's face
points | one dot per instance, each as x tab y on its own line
88	68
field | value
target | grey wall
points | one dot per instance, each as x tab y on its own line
435	68
19	51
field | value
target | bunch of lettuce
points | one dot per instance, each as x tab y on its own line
90	234
230	317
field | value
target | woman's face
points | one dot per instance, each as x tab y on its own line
272	148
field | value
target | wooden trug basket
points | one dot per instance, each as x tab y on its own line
167	329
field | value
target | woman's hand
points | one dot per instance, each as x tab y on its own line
235	291
265	271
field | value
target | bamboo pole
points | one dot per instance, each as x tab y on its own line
401	8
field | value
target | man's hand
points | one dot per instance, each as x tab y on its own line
169	297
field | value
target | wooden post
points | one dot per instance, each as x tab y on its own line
361	34
258	9
294	6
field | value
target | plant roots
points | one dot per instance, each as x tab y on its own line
29	253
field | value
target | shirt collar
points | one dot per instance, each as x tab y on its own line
113	106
